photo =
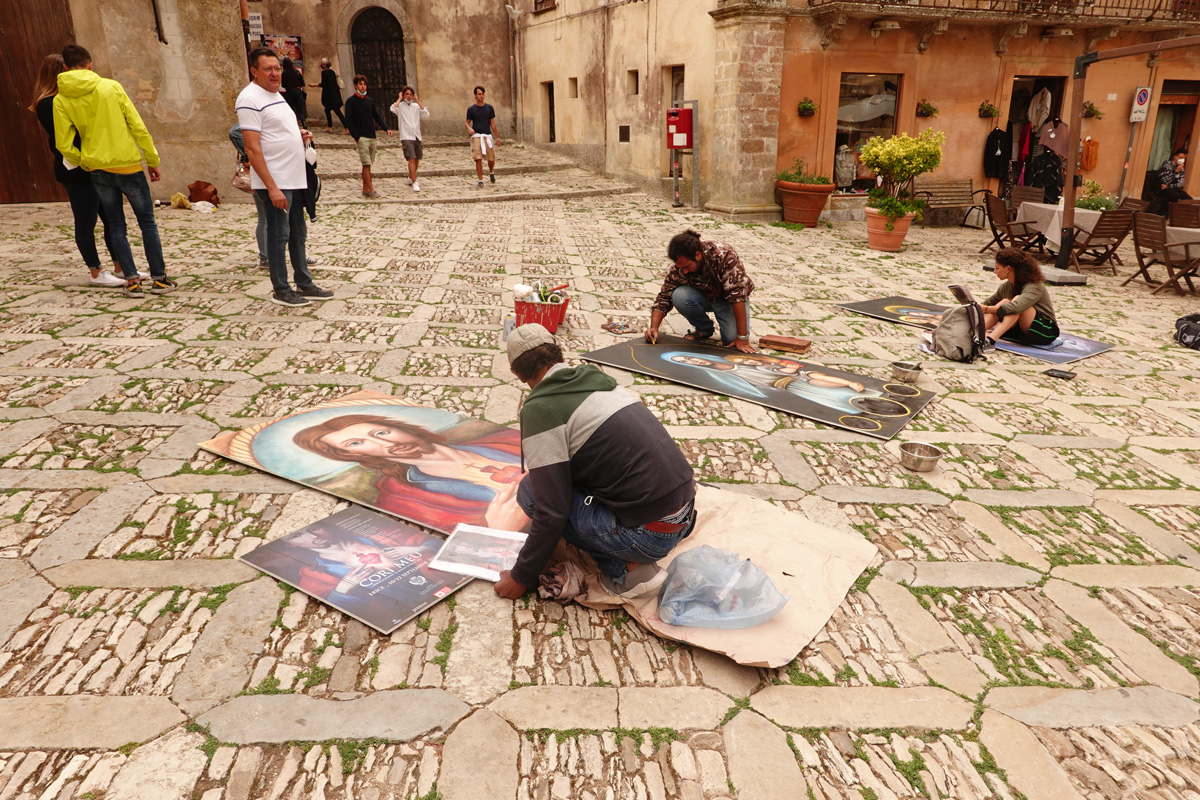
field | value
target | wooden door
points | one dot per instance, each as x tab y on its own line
377	42
28	32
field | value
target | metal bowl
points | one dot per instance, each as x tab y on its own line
906	371
919	456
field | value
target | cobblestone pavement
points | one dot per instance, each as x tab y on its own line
1030	629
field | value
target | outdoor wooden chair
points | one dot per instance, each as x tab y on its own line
1133	204
1150	246
1101	242
950	194
1184	214
1025	194
1006	232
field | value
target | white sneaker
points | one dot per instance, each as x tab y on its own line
120	276
107	279
416	186
312	261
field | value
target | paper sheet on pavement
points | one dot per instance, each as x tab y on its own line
812	563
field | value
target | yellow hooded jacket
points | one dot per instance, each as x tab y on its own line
112	135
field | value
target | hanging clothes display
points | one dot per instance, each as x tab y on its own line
1054	135
1039	108
1046	171
1090	156
997	154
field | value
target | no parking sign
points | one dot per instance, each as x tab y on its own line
1141	104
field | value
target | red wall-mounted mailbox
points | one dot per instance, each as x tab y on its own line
679	128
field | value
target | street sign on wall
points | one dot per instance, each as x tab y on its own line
1141	104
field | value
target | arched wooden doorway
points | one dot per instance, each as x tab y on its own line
377	42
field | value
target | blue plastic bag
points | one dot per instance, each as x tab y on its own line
710	588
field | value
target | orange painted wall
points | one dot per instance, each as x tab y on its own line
958	71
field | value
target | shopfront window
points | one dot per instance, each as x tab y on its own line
866	108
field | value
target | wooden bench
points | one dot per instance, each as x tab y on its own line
950	194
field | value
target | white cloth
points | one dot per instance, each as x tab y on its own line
1039	108
487	143
873	107
283	148
410	116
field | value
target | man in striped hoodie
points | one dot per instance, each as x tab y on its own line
604	474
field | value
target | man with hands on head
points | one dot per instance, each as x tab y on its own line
410	112
604	474
275	146
707	277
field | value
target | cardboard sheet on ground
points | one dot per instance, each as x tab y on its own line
805	389
428	466
919	314
814	564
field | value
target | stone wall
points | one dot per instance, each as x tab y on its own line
750	38
448	49
183	89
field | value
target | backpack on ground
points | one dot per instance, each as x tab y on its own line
960	335
1187	331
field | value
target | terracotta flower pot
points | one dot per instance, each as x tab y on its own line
803	202
879	237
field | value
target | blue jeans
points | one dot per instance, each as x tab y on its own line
260	230
593	528
85	207
112	187
695	307
287	231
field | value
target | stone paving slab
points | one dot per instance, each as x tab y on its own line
960	574
1047	707
82	722
397	716
116	574
1030	767
548	707
1131	576
1136	650
926	708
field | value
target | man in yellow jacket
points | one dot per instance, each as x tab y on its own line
112	143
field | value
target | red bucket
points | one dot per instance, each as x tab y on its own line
548	315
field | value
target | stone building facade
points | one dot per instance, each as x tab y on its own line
442	49
767	55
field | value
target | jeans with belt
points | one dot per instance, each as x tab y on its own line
594	528
287	231
111	187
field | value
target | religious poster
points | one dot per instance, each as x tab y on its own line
364	564
428	466
286	47
919	314
842	399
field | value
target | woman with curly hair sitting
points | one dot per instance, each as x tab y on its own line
1020	308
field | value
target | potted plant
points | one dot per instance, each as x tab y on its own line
802	194
1093	198
926	109
897	161
988	111
806	107
1090	110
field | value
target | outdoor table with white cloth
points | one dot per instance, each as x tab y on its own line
1047	219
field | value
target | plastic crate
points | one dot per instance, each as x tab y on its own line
548	315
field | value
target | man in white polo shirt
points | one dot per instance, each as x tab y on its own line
410	112
275	147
